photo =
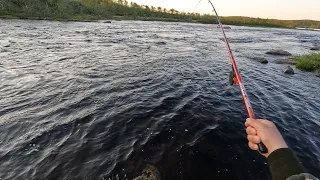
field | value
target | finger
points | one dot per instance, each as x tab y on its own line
248	120
253	146
247	124
254	123
253	139
251	131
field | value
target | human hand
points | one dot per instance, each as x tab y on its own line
260	130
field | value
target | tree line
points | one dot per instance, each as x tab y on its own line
122	9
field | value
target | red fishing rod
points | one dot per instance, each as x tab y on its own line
235	79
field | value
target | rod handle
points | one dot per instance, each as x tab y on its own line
262	148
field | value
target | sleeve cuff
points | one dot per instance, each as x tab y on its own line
283	164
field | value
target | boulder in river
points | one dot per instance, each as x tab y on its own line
316	48
161	43
279	53
285	61
260	60
107	22
289	70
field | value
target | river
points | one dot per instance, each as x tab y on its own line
94	100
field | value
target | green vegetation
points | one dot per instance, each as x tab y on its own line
121	9
308	62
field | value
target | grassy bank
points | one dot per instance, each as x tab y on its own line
88	10
308	62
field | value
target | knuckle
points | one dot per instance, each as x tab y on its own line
249	130
248	137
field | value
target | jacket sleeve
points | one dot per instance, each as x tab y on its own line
284	163
303	176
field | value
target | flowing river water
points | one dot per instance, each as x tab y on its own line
95	100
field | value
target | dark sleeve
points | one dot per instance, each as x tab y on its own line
283	164
303	176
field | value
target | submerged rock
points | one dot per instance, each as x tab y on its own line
316	48
286	61
149	173
260	60
279	53
161	43
289	70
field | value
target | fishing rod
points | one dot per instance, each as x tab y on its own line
235	78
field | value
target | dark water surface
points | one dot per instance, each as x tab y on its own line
92	100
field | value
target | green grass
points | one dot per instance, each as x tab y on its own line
308	62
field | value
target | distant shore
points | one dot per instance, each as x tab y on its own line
93	10
120	18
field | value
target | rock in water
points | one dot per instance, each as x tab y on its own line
149	173
316	48
279	53
260	60
286	61
161	43
317	72
48	18
224	27
289	70
107	22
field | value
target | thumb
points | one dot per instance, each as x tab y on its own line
254	123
